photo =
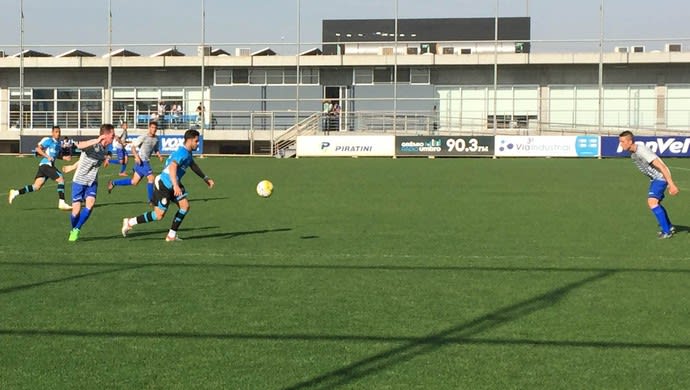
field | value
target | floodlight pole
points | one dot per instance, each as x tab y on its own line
395	71
601	66
21	74
109	100
203	67
495	69
299	77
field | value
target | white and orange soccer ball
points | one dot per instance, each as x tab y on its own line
264	188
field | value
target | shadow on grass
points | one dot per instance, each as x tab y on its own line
464	333
159	233
65	279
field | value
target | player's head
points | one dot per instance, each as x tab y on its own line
124	125
153	127
108	133
55	132
191	139
626	140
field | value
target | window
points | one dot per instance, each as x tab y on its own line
448	50
66	107
240	76
383	75
223	77
274	76
419	76
364	76
290	76
403	75
257	76
412	50
310	75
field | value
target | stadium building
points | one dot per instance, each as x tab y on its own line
406	76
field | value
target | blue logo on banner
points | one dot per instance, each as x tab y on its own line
587	145
662	146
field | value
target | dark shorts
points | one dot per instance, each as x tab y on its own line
163	196
144	169
657	189
48	171
121	154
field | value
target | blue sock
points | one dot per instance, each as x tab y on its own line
74	219
149	189
668	220
114	161
122	182
123	168
83	216
660	215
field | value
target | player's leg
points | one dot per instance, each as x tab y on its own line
78	195
124	182
122	155
162	198
183	209
149	186
656	195
60	180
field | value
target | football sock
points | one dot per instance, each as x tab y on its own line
61	190
177	221
74	219
83	216
123	182
668	220
123	167
660	215
26	189
144	218
149	190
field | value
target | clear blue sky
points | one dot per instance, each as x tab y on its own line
270	22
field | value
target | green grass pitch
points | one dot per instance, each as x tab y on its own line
355	274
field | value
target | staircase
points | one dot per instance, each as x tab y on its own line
284	145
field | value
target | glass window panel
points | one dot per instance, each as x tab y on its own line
68	93
274	76
43	93
364	76
383	75
257	76
419	76
91	93
290	75
223	76
240	76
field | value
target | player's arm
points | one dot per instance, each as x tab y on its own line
659	164
41	151
89	143
196	169
172	171
134	148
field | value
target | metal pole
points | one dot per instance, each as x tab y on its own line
108	101
395	72
299	76
203	67
21	74
495	68
601	66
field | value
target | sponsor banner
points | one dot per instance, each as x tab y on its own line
168	143
444	146
663	146
345	145
547	146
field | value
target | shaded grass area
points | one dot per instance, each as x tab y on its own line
356	273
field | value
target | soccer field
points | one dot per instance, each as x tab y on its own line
356	273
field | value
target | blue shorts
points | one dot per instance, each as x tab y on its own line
144	169
80	191
657	189
121	154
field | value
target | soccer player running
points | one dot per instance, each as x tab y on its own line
653	167
169	188
119	145
48	148
142	149
94	153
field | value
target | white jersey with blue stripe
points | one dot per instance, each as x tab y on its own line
643	158
183	158
51	147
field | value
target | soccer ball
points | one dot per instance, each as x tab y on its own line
264	188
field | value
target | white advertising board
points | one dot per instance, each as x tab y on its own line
345	145
547	146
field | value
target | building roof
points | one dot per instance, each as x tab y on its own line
264	52
219	52
311	52
121	53
171	52
76	53
31	53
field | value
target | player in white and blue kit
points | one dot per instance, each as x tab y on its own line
653	167
49	149
142	149
169	188
85	182
120	149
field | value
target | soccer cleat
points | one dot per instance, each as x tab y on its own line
663	236
13	194
110	186
74	235
62	205
673	231
125	227
170	239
